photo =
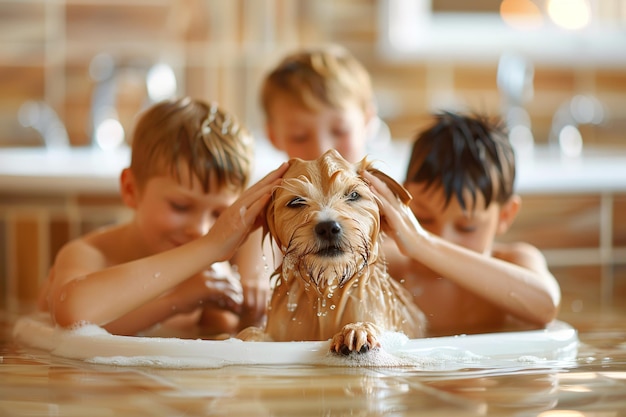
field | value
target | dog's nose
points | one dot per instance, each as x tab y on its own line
328	230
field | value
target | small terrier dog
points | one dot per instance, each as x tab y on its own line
332	283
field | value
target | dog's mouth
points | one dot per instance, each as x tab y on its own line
330	251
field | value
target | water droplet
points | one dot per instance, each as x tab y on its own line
63	296
266	266
332	306
156	275
577	306
319	314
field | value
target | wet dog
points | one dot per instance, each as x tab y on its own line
332	282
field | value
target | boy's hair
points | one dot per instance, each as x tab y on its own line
459	153
191	134
327	75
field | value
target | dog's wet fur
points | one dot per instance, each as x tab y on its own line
332	282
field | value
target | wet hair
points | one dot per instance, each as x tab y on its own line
329	76
464	152
191	134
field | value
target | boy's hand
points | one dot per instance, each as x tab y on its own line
224	285
398	220
219	286
233	226
254	308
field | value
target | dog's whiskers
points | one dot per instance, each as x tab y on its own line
319	271
330	240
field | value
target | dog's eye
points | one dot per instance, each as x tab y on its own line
353	196
297	202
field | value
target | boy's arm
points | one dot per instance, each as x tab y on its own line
525	288
203	289
85	291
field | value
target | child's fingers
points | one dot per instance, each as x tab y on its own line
380	189
400	217
262	188
227	292
250	196
271	177
250	207
257	191
231	301
254	210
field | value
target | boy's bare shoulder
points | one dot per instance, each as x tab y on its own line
519	253
98	246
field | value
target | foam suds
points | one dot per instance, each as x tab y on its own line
375	358
393	354
86	329
167	362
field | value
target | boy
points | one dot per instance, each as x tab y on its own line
318	99
461	176
190	163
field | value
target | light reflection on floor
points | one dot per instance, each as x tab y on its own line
33	383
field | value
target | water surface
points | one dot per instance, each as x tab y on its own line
35	383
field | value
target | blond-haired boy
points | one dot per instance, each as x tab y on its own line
190	164
317	99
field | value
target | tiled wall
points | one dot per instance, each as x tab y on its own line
220	51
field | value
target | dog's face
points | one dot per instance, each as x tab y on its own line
326	221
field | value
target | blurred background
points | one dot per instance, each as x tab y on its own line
74	73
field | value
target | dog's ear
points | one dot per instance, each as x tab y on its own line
268	223
399	191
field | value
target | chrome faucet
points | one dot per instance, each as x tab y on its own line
106	131
515	82
564	133
41	116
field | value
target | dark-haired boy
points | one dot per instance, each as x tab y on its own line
461	175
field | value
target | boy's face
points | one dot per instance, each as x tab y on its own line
169	214
307	134
472	229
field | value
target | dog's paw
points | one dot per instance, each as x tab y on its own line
253	334
356	337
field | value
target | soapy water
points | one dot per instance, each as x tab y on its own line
555	346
